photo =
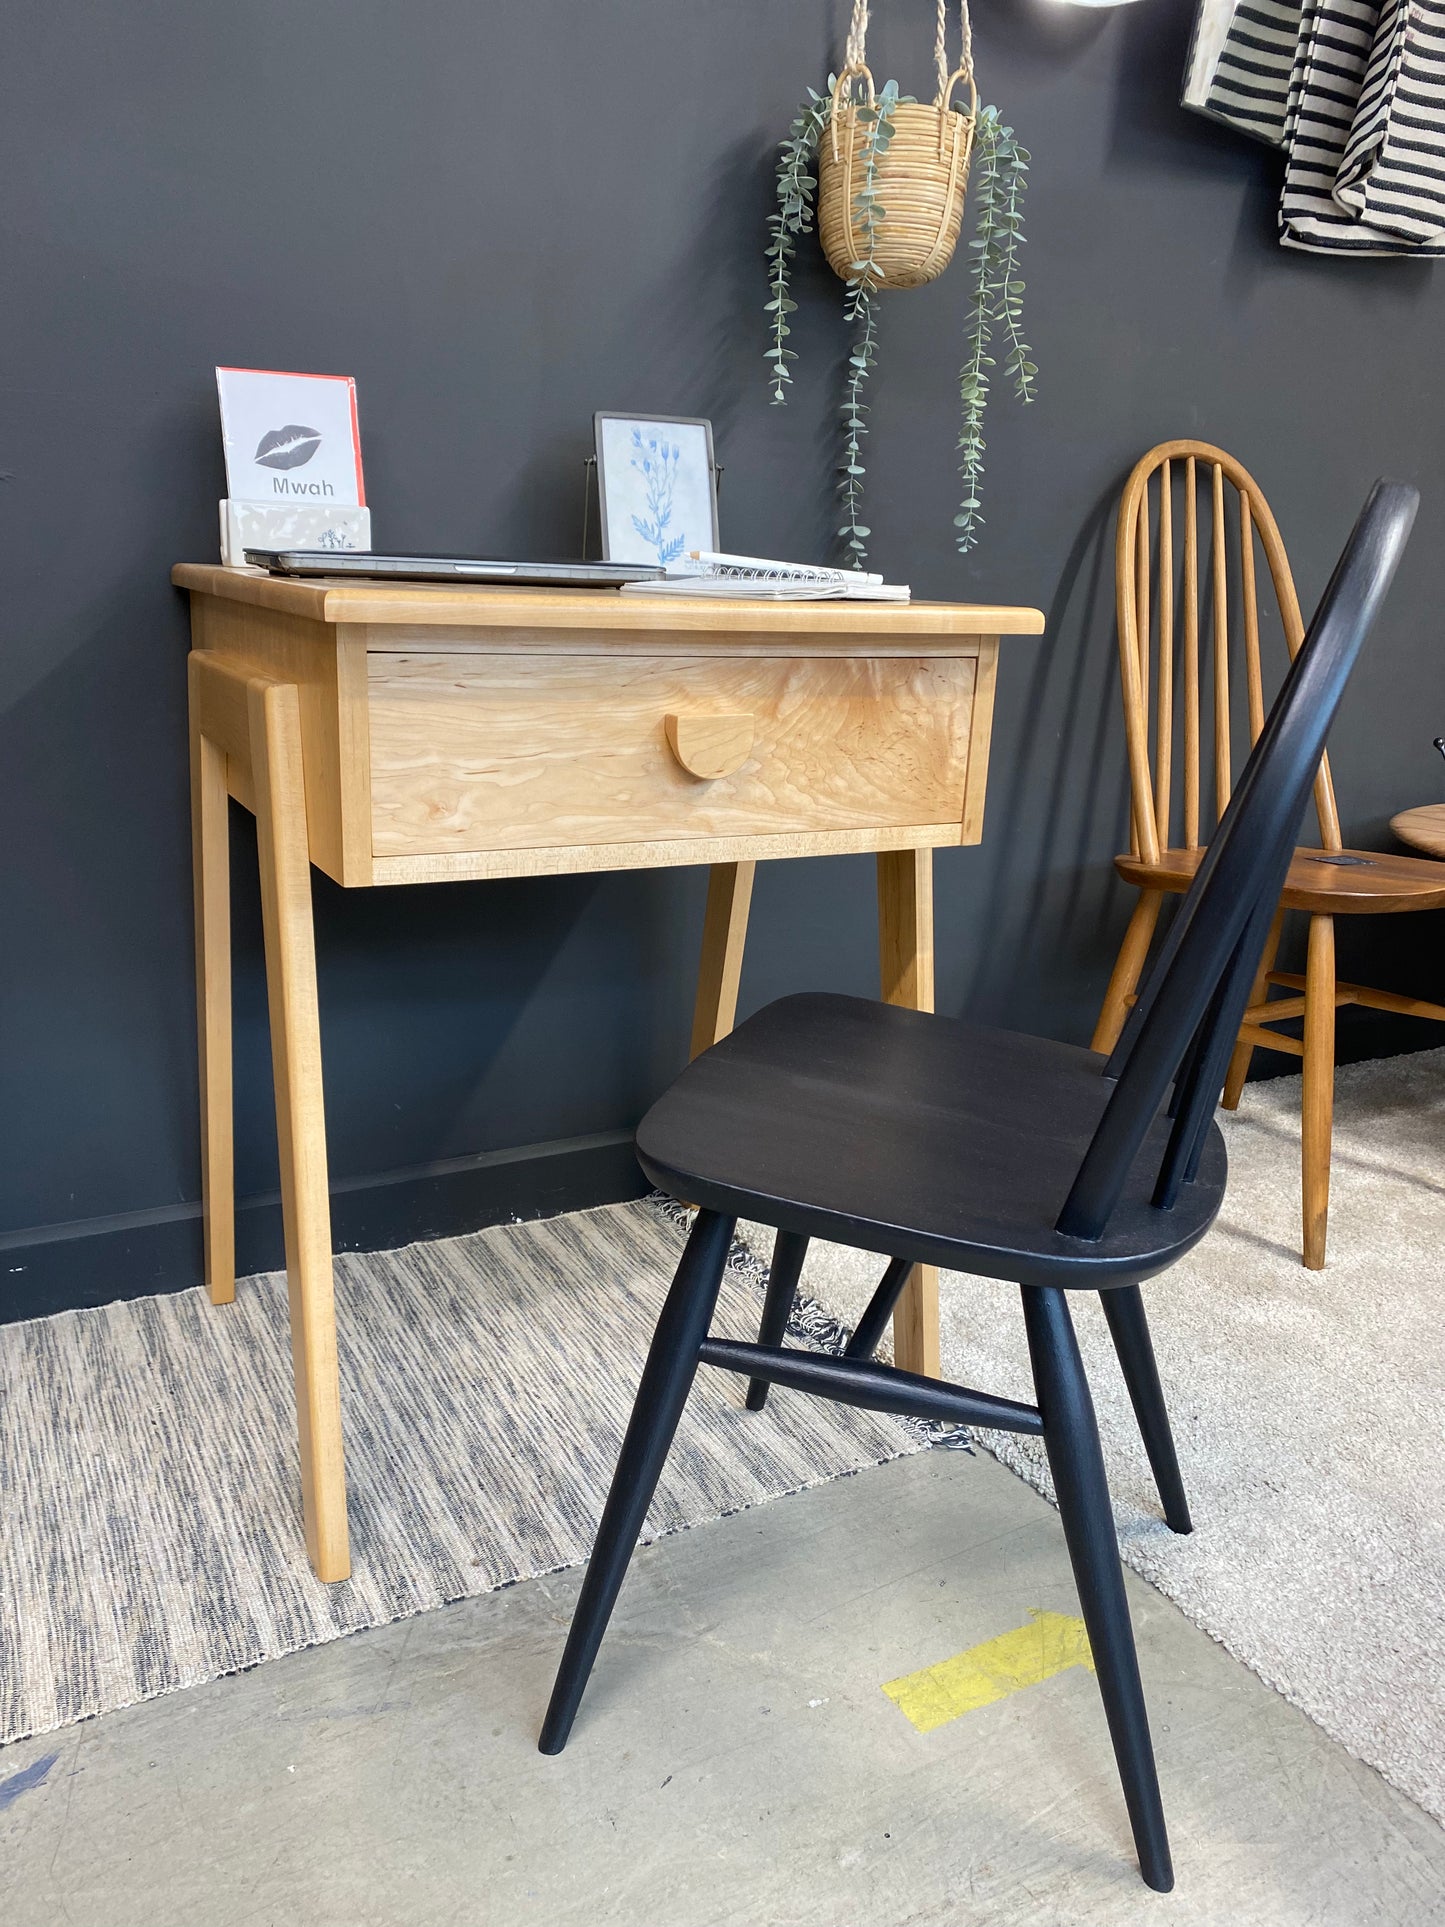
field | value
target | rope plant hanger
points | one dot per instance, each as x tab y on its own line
922	167
890	175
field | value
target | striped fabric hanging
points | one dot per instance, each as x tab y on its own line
1393	171
1250	84
1365	130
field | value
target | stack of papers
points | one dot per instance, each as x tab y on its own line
705	573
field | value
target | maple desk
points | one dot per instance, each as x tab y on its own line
415	733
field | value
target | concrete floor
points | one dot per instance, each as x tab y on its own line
734	1761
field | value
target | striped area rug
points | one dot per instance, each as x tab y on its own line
149	1500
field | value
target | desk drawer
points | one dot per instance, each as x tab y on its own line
515	752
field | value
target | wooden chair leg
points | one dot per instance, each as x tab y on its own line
1124	1311
1317	1121
790	1248
211	864
275	729
666	1381
1071	1438
1243	1053
1128	967
905	960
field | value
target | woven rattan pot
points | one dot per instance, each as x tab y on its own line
921	180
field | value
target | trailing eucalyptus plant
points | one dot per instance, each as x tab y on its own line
998	169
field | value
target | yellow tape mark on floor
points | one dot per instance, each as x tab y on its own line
1051	1643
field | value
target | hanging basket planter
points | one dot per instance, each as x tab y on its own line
921	179
890	175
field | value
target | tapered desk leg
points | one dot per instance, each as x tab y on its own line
211	860
275	732
905	953
724	932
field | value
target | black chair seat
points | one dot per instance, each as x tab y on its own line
917	1136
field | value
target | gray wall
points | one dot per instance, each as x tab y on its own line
498	219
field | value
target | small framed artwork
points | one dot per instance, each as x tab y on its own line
656	487
290	438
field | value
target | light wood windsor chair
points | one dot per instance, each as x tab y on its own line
1161	617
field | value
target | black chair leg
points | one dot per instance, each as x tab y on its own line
1130	1329
666	1381
789	1250
1072	1440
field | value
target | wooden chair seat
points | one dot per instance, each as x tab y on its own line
1190	652
1342	883
928	1138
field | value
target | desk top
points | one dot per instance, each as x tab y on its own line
480	605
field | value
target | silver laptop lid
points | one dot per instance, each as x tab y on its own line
448	568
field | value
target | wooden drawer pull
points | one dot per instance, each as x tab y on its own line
710	746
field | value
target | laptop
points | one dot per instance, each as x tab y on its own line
449	568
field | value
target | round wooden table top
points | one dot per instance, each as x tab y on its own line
1423	829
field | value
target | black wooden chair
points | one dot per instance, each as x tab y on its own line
940	1142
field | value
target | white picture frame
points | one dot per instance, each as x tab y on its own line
290	438
656	486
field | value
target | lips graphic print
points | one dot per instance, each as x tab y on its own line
288	447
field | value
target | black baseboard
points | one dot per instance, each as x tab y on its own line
96	1261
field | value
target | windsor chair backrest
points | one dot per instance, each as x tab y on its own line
1183	1027
1169	640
